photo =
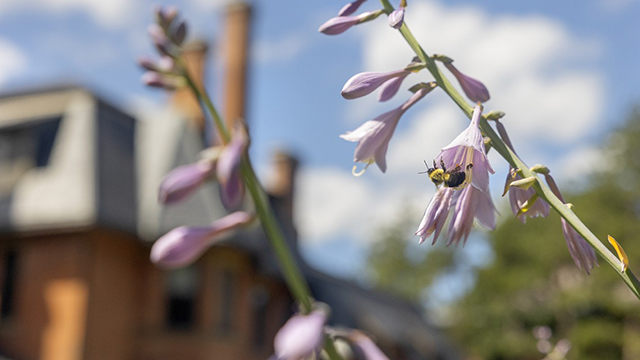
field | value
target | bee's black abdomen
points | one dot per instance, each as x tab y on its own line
455	179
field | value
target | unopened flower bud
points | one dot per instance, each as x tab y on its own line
183	245
301	336
365	83
396	18
183	181
164	17
180	33
350	8
474	89
147	63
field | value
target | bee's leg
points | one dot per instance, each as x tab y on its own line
442	165
434	164
469	166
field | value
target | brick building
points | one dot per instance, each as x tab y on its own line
78	214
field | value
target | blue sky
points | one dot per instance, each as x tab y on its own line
564	72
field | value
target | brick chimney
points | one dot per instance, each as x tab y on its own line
236	48
282	184
195	56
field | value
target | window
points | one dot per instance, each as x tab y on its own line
182	288
259	303
8	285
23	147
227	299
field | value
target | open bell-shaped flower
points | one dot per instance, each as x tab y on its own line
518	197
301	336
470	203
467	151
582	253
436	214
183	245
374	135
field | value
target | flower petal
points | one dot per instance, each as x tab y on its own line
300	336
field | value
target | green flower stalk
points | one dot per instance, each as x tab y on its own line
543	191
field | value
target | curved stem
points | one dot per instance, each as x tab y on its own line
292	274
541	189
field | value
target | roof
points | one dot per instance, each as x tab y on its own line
94	165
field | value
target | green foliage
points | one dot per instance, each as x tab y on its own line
533	280
397	264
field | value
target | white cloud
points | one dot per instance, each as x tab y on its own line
109	13
527	62
12	60
280	50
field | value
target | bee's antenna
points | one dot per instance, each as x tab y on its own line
425	164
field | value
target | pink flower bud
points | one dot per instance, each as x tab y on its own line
474	89
396	18
350	8
183	181
365	83
183	245
228	169
300	336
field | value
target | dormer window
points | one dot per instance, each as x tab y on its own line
24	146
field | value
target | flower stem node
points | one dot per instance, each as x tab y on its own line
494	115
430	85
524	183
442	58
540	169
622	255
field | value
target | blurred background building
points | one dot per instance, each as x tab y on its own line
78	214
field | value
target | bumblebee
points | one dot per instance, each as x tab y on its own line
452	178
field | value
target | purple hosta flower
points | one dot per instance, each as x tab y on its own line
301	336
350	8
373	136
390	87
436	214
165	16
340	24
470	203
160	40
396	18
183	181
468	149
183	245
518	198
365	83
474	89
228	169
582	253
179	33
